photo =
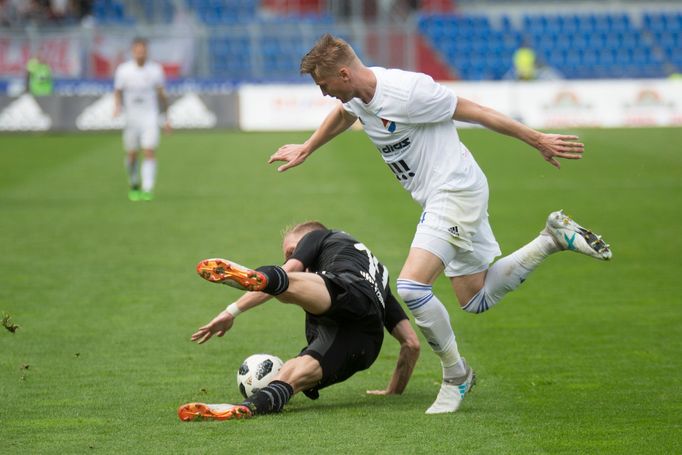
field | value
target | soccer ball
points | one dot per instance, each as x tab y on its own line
256	372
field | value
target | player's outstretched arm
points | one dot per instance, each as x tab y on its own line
409	353
550	146
336	122
225	319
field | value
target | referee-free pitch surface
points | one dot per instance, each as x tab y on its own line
584	357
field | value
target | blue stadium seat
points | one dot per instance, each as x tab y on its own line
111	12
578	45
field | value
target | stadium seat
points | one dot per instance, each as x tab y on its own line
578	45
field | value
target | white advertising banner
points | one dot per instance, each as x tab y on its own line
282	107
547	104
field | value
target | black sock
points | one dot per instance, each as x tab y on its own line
278	281
270	398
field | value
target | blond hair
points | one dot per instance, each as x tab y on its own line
304	228
328	54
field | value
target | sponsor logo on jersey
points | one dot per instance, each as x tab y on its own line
397	146
390	126
374	285
454	230
401	170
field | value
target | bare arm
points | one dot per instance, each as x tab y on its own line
336	122
409	353
163	99
224	320
163	104
550	146
118	101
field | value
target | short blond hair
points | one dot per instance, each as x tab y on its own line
328	54
303	228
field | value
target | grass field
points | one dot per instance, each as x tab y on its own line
584	358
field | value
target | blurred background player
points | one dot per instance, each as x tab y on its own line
524	63
139	90
344	291
38	77
409	118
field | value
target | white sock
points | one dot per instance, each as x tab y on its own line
509	272
433	321
133	168
148	174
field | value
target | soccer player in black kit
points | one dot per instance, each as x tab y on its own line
344	291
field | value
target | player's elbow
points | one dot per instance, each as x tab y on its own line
411	345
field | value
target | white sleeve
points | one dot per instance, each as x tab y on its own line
348	108
430	102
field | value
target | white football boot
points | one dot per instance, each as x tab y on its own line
569	235
452	392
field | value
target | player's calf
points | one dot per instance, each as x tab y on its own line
270	399
505	275
433	321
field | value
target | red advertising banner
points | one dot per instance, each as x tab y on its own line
62	53
175	54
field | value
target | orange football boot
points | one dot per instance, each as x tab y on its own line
222	271
201	411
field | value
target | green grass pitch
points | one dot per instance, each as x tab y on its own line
585	357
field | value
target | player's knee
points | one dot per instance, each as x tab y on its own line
414	294
300	372
479	303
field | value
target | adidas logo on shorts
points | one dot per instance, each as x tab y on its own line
454	230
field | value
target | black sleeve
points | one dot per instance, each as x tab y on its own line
308	248
394	312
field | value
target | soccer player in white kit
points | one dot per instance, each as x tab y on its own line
139	89
409	118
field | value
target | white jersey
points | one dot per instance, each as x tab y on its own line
139	85
409	120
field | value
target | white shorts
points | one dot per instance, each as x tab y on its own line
454	226
141	137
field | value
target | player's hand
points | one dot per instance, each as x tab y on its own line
218	326
380	392
553	146
117	111
167	128
291	154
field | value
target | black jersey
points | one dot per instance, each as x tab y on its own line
330	252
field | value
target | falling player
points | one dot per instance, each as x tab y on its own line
409	118
344	291
139	90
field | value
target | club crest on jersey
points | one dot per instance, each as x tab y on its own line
390	126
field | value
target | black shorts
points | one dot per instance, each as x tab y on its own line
347	338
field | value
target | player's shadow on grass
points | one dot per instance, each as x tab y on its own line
409	402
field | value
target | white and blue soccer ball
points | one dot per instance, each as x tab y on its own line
256	372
